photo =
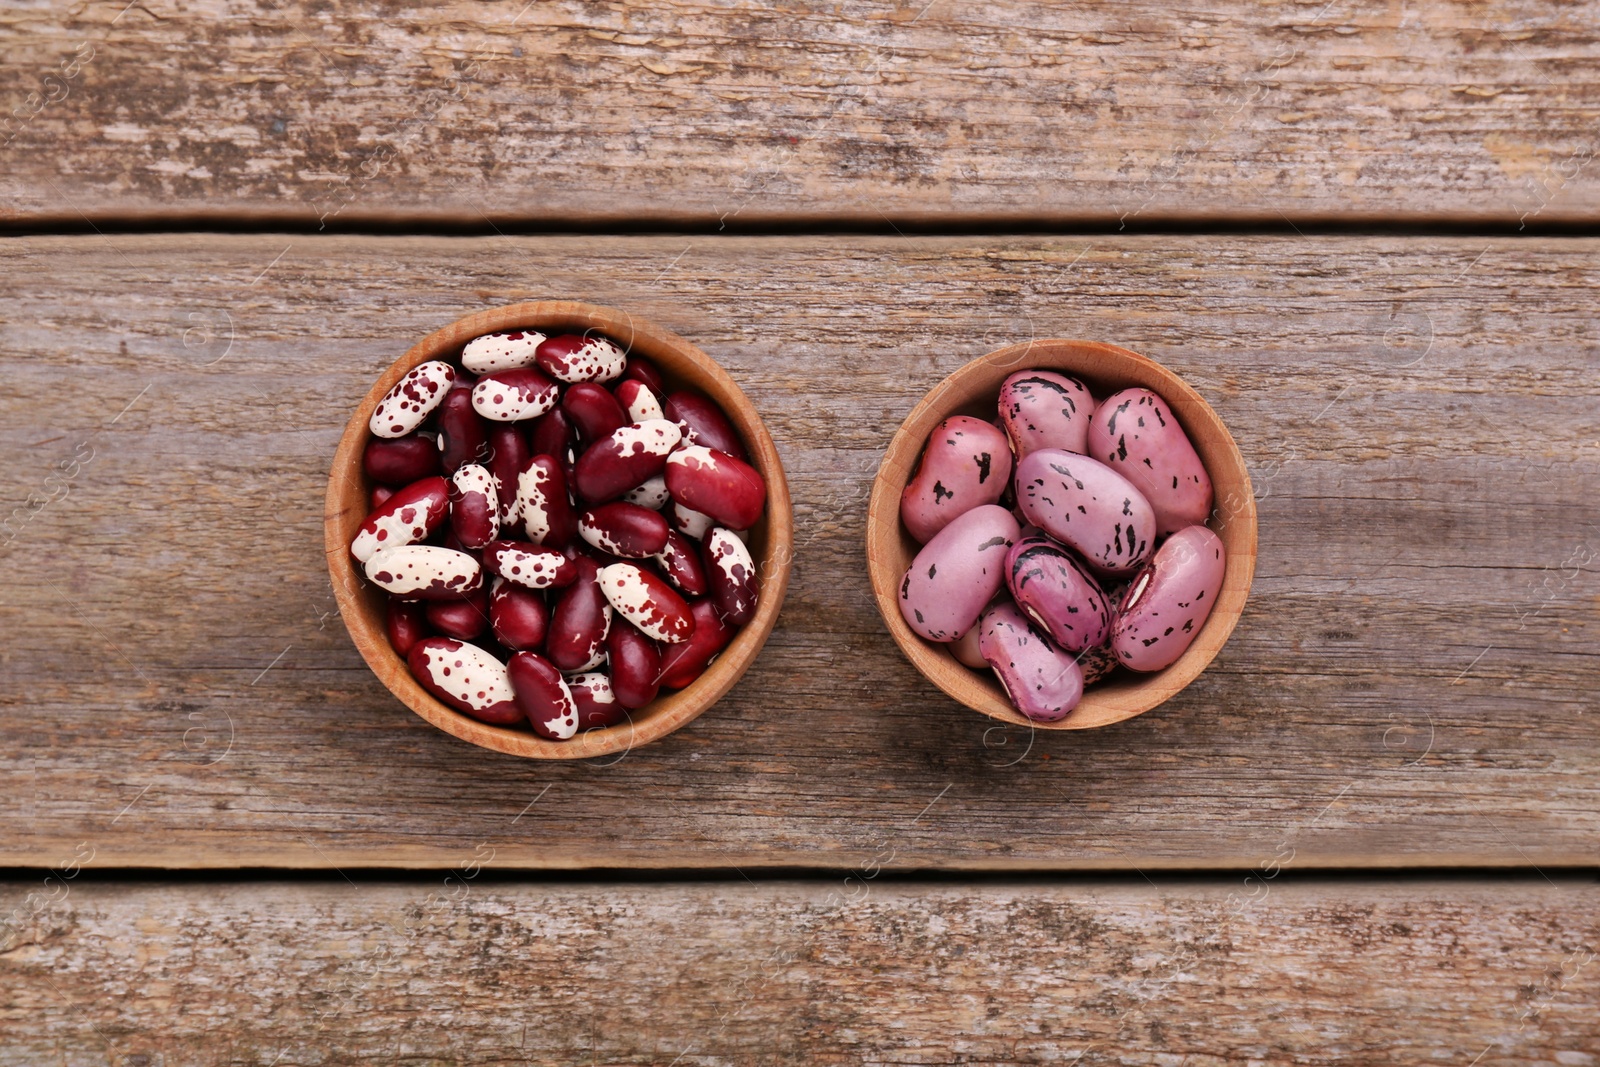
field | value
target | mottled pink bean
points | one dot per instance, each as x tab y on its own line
1168	603
1043	409
1135	433
1088	507
965	464
957	572
1056	591
1043	682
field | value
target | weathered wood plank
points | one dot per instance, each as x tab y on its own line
1412	683
560	112
847	971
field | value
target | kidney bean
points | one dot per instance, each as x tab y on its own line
593	410
957	573
501	351
965	464
1043	682
463	436
554	435
1135	433
596	701
638	400
635	664
508	458
681	664
624	459
518	616
1096	663
689	522
465	620
639	369
717	484
1166	606
624	529
573	358
1087	506
731	573
514	395
1043	409
406	623
400	461
380	495
580	622
413	398
466	678
647	601
474	506
681	564
425	572
543	505
1056	591
543	696
409	516
529	565
652	494
704	423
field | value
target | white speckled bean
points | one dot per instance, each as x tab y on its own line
1043	682
652	494
543	696
1088	507
412	399
1043	409
965	464
425	572
731	572
501	351
595	700
639	401
648	602
689	522
573	358
474	506
1135	433
514	395
409	516
1168	603
624	459
465	677
956	573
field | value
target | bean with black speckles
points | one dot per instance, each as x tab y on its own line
1044	409
965	464
1136	434
957	573
1058	593
1043	682
1167	605
1088	507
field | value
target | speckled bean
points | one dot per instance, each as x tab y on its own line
501	351
529	565
542	695
1088	507
474	506
965	464
680	563
547	515
1043	682
596	700
1135	433
624	529
406	517
731	573
466	678
412	399
624	459
957	572
425	572
1168	603
1054	590
682	663
1043	409
716	484
575	358
514	395
646	600
639	401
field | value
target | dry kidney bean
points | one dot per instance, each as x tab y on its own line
380	496
1135	433
731	573
682	663
957	573
465	620
716	484
514	395
681	564
409	516
624	459
1043	409
647	601
966	464
554	435
1088	507
501	351
651	493
474	506
543	507
703	423
406	623
624	529
400	461
463	436
465	677
1058	593
635	664
1043	682
542	695
595	700
593	410
1166	606
639	369
425	572
508	457
412	399
518	616
529	565
580	621
967	651
573	358
638	400
689	522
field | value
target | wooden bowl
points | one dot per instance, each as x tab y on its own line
771	541
974	390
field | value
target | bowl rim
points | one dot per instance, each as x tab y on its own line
1101	705
772	539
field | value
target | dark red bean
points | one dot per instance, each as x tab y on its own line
544	507
640	369
593	410
514	395
529	565
639	402
728	489
596	700
624	459
634	663
624	529
682	664
464	620
731	571
554	434
400	461
581	358
408	517
543	696
518	616
463	436
704	423
508	458
474	506
680	562
380	496
580	621
406	623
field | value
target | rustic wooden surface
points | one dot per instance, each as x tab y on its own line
864	971
353	111
1411	684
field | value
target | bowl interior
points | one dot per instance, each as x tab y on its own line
973	390
771	540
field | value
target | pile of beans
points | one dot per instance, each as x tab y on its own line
560	536
1062	541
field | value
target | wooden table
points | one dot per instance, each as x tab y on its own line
1367	233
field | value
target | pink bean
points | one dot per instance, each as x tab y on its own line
1135	433
1043	682
1166	606
965	464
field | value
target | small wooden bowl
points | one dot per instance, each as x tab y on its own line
973	390
771	540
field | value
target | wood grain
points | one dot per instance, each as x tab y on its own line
858	971
568	112
1411	684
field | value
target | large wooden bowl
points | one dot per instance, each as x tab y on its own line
973	390
771	540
